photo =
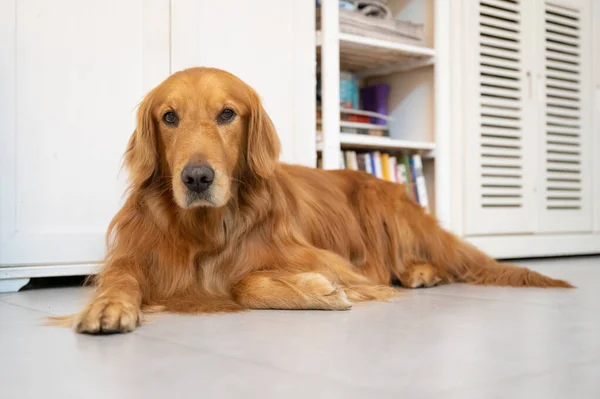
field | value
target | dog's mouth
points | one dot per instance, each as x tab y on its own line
212	198
204	199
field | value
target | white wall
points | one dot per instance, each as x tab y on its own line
267	43
71	75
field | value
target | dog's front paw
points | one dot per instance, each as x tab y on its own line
108	315
338	300
326	294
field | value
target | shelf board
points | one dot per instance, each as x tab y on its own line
363	141
373	57
361	125
366	113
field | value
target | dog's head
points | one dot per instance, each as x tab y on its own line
199	132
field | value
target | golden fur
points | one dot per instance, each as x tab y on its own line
266	234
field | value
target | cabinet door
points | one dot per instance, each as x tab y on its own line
71	75
267	43
500	156
566	141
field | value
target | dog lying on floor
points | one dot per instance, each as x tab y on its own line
214	223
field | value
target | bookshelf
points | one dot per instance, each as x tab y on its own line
366	142
419	98
376	57
483	140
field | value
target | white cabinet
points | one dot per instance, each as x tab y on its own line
529	137
71	75
565	135
499	118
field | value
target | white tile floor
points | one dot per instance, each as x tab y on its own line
448	342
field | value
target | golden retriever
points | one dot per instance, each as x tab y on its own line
214	223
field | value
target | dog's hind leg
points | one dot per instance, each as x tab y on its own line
421	275
408	237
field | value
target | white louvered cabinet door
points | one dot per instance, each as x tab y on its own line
501	151
565	152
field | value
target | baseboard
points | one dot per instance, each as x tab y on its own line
528	246
23	272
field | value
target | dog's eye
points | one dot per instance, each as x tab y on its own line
171	118
226	116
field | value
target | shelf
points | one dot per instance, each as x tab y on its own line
366	113
363	141
360	125
374	57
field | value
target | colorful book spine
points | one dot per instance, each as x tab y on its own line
377	168
369	163
393	169
362	163
419	179
373	166
353	160
385	166
409	178
402	175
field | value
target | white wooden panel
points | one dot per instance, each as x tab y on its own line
72	75
330	84
441	172
305	84
267	43
499	167
566	136
596	112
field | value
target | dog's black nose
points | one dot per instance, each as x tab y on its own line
197	178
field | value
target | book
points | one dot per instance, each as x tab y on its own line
342	160
352	161
409	178
368	163
373	169
419	179
377	168
348	90
402	176
393	169
362	163
385	166
413	183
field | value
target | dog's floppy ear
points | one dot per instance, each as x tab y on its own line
141	157
263	144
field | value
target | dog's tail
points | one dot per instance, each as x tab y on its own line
463	262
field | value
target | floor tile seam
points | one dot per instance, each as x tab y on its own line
28	308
